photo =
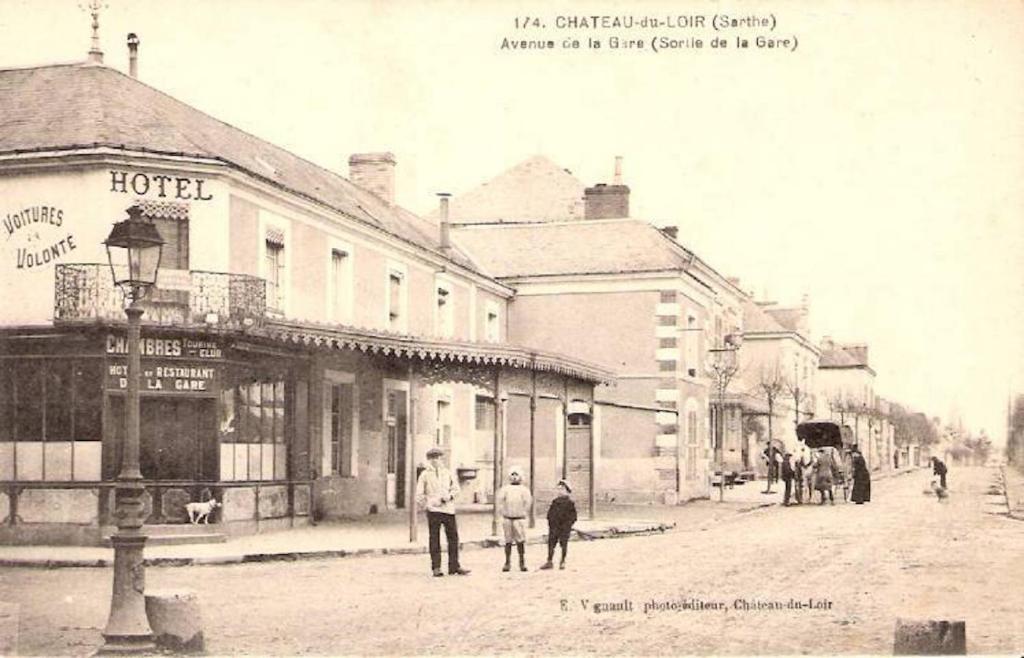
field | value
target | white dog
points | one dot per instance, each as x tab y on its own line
201	511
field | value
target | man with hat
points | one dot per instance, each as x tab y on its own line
436	490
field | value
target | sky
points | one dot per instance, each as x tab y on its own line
876	167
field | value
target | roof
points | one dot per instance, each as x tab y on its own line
609	246
536	189
425	349
757	320
790	318
75	106
836	358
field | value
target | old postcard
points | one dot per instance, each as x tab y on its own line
539	328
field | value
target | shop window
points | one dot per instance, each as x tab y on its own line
342	410
484	413
50	402
443	436
254	423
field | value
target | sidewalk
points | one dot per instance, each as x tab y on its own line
388	534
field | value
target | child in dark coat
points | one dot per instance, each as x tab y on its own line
561	516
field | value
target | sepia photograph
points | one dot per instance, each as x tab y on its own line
511	327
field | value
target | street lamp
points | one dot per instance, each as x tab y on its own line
133	248
722	368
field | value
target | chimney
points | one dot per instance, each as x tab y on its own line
133	55
606	202
671	231
617	180
446	240
374	172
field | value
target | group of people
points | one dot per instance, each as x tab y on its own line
436	490
818	471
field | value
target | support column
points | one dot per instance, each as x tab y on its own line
593	463
409	457
565	428
533	451
499	441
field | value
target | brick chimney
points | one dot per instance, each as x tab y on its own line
607	201
374	172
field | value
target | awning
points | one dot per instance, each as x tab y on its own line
428	349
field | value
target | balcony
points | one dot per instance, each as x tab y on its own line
85	292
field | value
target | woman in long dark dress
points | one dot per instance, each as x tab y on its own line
861	478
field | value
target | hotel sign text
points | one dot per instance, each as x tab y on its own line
181	188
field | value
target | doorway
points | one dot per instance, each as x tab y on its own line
177	439
395	427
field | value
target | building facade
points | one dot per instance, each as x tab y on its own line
306	342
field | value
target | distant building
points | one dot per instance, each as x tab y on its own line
618	292
778	357
846	392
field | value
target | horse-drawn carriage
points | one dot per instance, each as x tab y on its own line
818	434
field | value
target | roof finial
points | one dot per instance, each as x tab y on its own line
94	7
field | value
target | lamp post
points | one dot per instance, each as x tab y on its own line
133	249
722	369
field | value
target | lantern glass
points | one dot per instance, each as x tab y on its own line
134	248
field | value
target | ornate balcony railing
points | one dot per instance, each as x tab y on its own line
86	292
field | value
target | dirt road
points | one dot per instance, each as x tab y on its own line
811	579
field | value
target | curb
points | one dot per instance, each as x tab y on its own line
489	542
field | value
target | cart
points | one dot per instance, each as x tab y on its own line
817	434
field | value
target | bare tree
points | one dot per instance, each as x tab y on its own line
770	385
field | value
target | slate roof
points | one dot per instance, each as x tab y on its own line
75	106
578	247
758	320
789	318
836	358
536	189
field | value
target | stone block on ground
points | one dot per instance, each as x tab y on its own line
8	629
175	619
930	638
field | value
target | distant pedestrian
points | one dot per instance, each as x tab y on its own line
808	460
436	490
861	478
939	468
788	475
798	478
561	517
514	501
895	459
824	476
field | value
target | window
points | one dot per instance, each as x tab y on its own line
443	437
54	402
492	328
174	232
579	420
255	423
691	445
341	429
444	316
484	413
691	336
340	286
396	300
274	269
